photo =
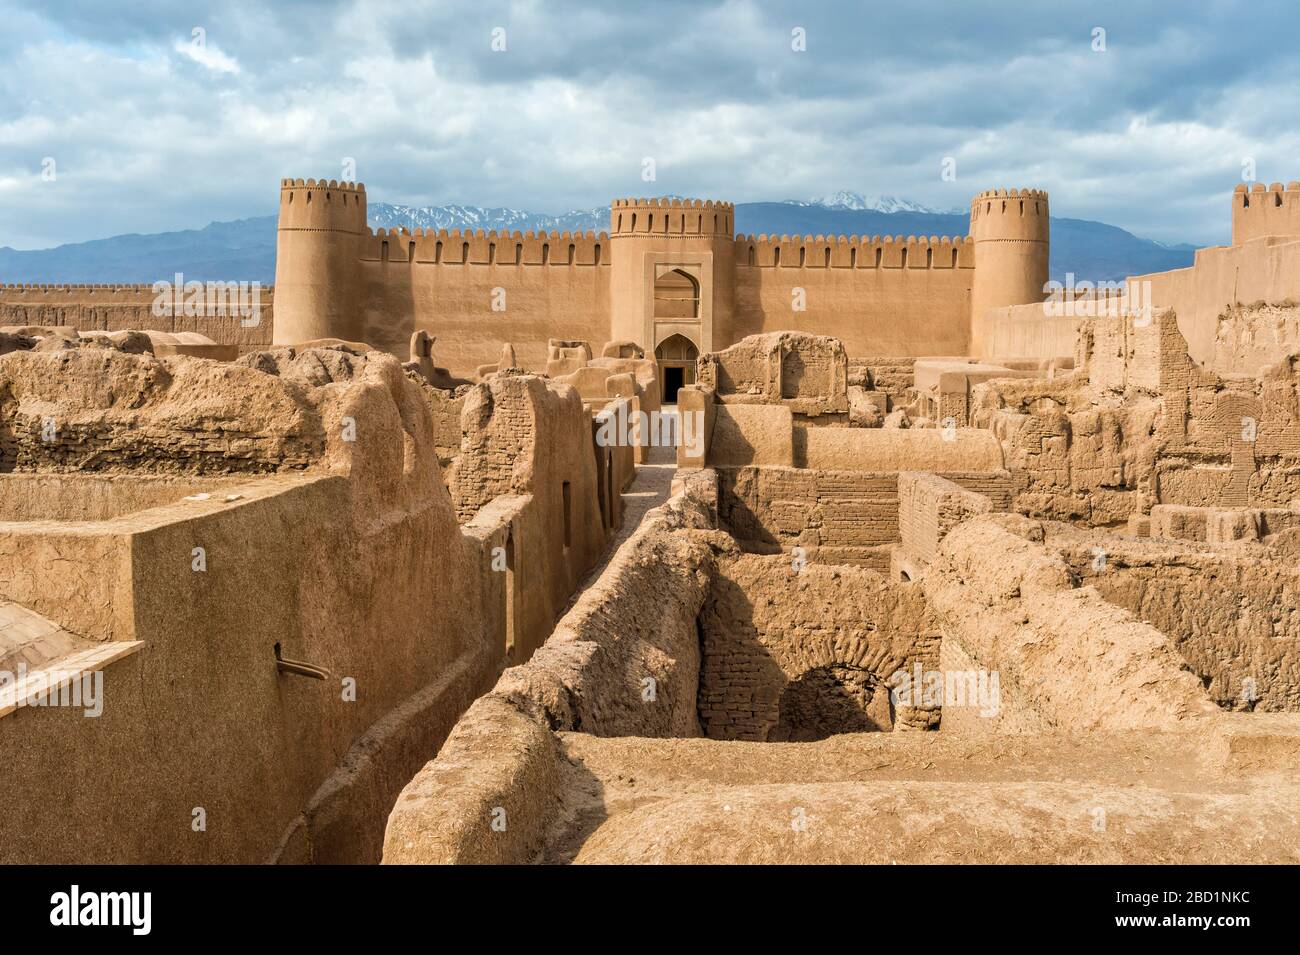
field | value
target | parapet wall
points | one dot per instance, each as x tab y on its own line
668	217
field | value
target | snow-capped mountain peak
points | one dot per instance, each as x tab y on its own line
384	215
857	202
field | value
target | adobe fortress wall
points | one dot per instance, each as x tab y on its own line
894	295
478	291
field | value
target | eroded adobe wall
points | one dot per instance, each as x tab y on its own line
343	565
1250	338
1072	460
113	308
1065	657
801	653
477	292
891	296
524	437
100	409
892	375
1140	424
1232	612
836	516
929	507
808	373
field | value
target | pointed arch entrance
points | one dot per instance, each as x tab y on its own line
676	355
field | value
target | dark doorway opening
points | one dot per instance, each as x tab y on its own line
674	378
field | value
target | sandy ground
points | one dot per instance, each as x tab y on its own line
926	797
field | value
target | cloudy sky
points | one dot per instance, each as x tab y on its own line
146	116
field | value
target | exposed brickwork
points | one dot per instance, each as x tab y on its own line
799	655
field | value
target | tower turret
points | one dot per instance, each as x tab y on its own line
316	261
671	283
1012	231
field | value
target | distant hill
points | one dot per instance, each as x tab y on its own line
245	249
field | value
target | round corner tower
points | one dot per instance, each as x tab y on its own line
1011	230
671	283
317	248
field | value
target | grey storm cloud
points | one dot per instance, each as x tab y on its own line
161	117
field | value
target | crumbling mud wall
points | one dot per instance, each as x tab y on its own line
841	517
624	660
929	507
115	308
206	751
1251	337
1066	658
1139	424
807	373
796	652
1232	612
104	410
526	439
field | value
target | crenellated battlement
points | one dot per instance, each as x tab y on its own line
321	205
1010	194
995	213
72	288
1261	211
670	217
856	252
336	184
1016	215
486	247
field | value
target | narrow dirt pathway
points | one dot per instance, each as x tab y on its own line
651	487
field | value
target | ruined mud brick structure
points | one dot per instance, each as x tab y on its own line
927	598
181	526
1106	532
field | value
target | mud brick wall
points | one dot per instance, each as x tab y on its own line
802	654
774	508
1232	617
113	308
894	376
499	427
100	410
839	516
929	507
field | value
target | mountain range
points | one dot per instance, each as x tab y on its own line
245	249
